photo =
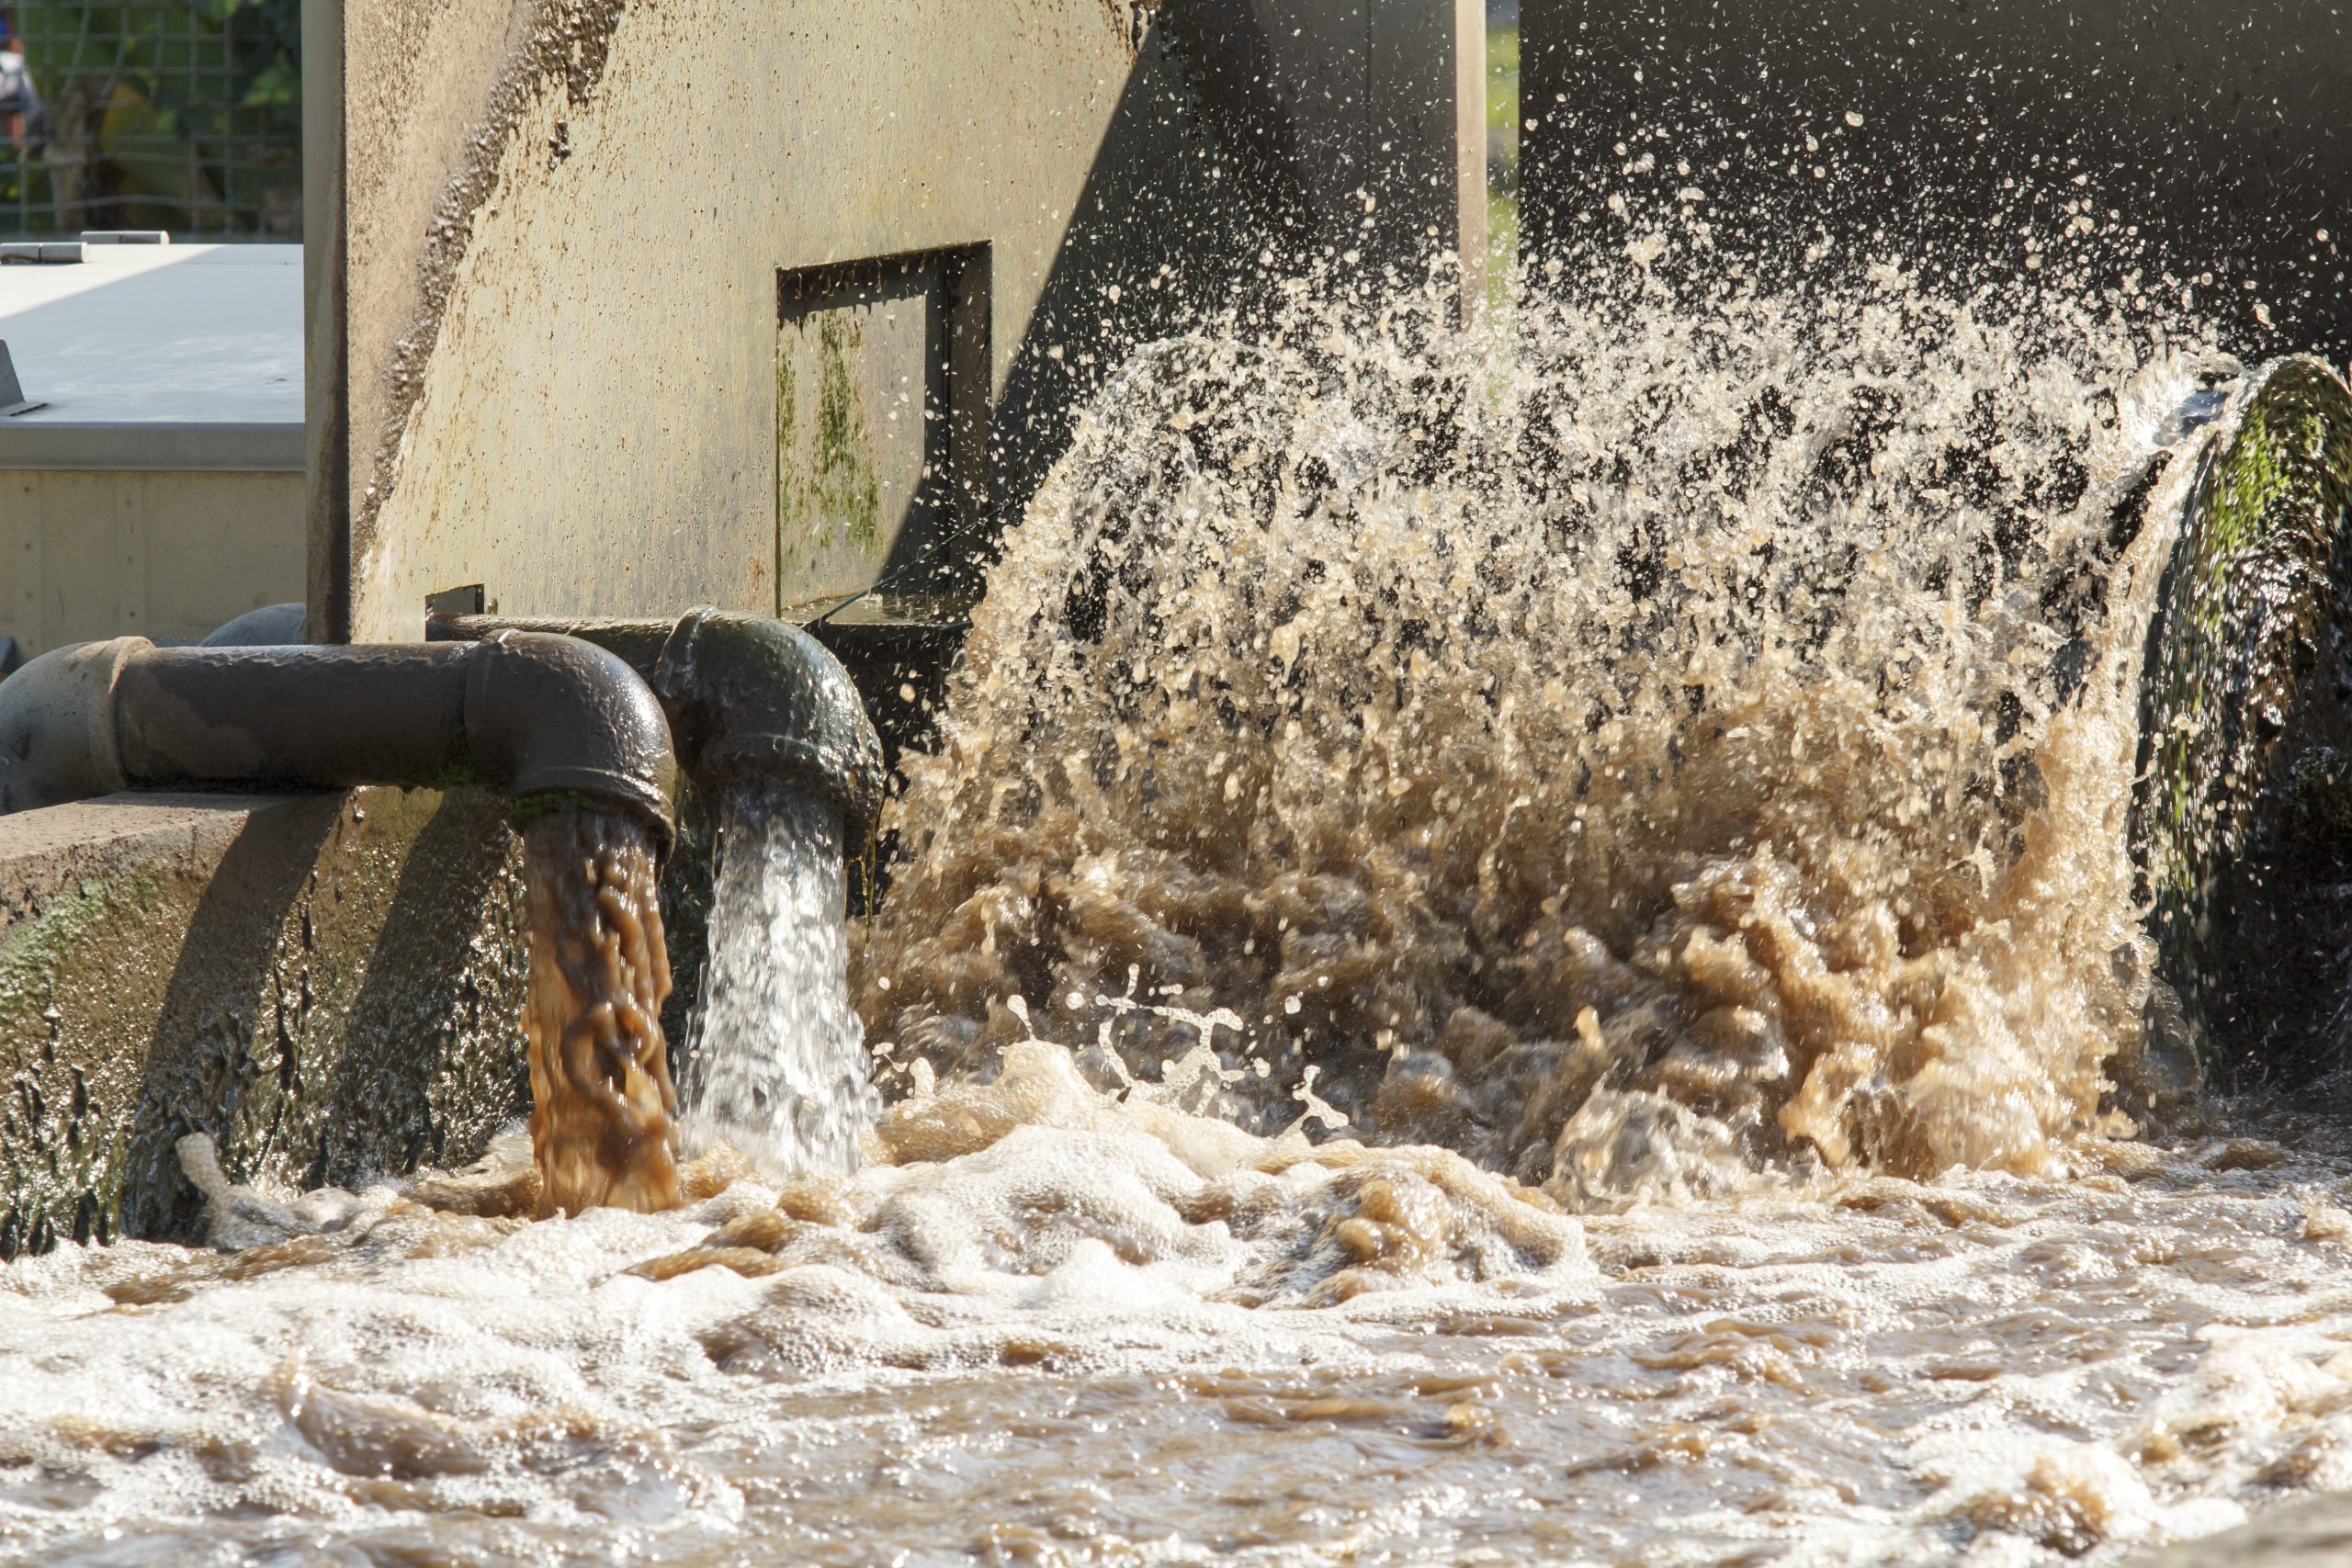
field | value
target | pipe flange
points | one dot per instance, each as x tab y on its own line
57	725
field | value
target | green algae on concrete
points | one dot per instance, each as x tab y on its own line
2249	715
329	985
851	376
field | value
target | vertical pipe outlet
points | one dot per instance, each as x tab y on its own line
744	694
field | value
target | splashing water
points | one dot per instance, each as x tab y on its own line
776	1065
1521	946
1680	743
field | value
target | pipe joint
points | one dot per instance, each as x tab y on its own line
554	716
744	693
57	738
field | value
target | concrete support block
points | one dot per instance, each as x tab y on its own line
327	984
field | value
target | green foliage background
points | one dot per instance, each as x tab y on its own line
183	115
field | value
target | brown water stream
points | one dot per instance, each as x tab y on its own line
602	1101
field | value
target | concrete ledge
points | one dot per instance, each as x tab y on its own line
32	441
328	985
2316	1533
43	846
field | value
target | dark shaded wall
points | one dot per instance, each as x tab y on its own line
2221	133
329	985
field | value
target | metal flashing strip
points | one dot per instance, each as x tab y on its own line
152	446
41	253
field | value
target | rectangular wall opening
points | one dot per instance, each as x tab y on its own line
882	393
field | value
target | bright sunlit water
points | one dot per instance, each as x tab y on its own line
776	1065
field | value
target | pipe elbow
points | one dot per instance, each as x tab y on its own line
550	717
57	734
532	715
749	693
744	692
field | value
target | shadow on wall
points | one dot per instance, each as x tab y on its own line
434	1055
347	1000
1169	226
1174	227
224	1055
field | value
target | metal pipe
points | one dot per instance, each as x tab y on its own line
272	625
744	693
528	714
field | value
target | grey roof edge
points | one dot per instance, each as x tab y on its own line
154	446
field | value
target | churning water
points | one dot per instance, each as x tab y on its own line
1521	945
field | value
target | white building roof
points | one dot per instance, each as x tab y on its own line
156	356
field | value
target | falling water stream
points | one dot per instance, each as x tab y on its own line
602	1101
1520	944
776	1066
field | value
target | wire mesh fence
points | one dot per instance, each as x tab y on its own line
180	115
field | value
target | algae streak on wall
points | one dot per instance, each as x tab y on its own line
326	985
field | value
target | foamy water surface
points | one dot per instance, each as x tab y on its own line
1110	1333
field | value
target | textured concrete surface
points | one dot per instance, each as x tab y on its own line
544	329
328	985
2312	1534
86	555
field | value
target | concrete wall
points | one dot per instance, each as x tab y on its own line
94	554
570	262
327	984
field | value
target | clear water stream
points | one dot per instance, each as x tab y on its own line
775	1060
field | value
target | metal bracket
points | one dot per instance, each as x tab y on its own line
13	400
470	600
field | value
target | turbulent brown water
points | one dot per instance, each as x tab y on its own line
1521	946
602	1101
1699	745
